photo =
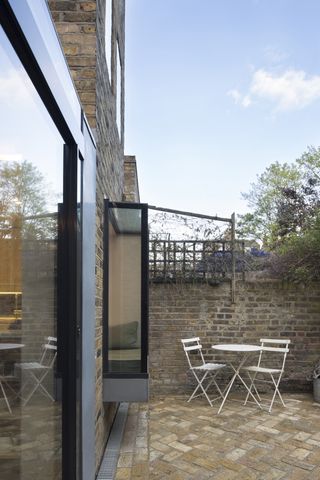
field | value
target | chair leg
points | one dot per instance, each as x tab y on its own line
276	391
252	385
217	387
45	392
206	395
10	388
199	384
38	384
205	389
5	397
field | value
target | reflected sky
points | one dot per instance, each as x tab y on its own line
49	36
26	126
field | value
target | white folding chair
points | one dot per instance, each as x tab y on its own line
5	381
209	370
267	356
36	372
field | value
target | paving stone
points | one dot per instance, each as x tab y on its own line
189	441
235	454
141	455
125	460
299	464
180	446
300	453
302	436
123	473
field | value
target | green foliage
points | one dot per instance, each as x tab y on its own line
263	200
297	259
285	216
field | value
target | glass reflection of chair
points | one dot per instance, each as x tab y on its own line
5	381
36	372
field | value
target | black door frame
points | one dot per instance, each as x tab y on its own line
68	226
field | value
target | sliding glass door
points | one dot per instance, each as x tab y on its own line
31	222
42	153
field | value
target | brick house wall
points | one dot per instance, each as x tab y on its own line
131	184
81	28
263	308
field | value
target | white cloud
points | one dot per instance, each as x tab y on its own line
291	90
14	89
235	94
246	101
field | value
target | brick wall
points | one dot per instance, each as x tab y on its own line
75	22
131	184
81	27
264	308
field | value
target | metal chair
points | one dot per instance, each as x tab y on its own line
5	384
210	370
263	367
36	372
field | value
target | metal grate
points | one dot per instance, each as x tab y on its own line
110	459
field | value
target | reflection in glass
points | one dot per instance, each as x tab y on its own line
124	329
31	184
118	92
108	35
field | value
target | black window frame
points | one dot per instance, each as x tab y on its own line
71	134
144	289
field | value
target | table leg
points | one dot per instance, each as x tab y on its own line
227	392
236	374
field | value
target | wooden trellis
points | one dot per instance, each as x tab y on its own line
186	260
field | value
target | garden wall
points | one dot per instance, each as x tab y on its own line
263	308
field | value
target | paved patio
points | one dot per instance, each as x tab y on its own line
172	439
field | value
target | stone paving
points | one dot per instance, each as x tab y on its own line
172	439
30	440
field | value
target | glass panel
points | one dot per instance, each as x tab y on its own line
31	185
127	220
108	31
118	92
56	70
124	329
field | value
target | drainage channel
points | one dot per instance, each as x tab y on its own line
110	459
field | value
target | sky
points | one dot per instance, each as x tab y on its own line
217	90
27	131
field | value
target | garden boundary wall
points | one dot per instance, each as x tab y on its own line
263	308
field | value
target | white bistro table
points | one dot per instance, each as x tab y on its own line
3	379
244	350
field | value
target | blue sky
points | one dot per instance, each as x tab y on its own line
216	90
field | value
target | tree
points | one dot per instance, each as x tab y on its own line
285	216
297	259
23	201
284	200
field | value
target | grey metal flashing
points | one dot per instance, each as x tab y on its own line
88	310
110	459
125	389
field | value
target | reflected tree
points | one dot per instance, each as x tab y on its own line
24	199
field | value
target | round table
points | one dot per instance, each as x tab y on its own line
245	350
9	346
3	381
